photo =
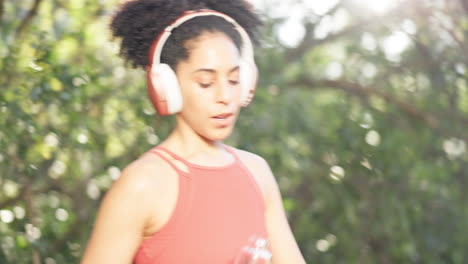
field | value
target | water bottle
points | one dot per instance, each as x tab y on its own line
255	252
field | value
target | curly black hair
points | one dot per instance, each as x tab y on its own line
138	23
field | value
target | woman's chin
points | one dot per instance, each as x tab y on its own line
219	135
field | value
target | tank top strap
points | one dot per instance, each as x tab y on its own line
233	152
173	155
171	163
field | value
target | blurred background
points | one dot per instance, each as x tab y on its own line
361	111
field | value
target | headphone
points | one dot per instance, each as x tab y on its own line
163	87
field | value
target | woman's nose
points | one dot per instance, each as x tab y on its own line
224	93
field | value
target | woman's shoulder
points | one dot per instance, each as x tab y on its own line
147	185
259	169
138	193
251	159
143	177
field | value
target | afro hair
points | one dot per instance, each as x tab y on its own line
139	22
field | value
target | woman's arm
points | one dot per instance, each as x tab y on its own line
283	246
282	243
120	220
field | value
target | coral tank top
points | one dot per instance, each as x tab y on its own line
217	210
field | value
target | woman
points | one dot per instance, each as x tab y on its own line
191	199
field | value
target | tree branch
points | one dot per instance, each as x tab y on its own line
453	35
310	41
429	119
13	200
23	195
2	9
30	214
27	20
357	89
464	4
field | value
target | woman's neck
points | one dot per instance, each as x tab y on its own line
187	143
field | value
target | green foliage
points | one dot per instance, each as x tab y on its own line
368	144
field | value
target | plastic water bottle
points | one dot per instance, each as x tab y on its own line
255	252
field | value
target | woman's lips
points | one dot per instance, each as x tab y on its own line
223	120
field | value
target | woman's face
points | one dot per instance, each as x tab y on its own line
209	80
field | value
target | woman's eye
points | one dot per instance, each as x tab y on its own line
234	82
205	85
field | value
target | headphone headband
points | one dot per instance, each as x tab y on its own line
156	48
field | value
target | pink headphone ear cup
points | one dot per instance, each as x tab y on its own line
248	79
164	89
